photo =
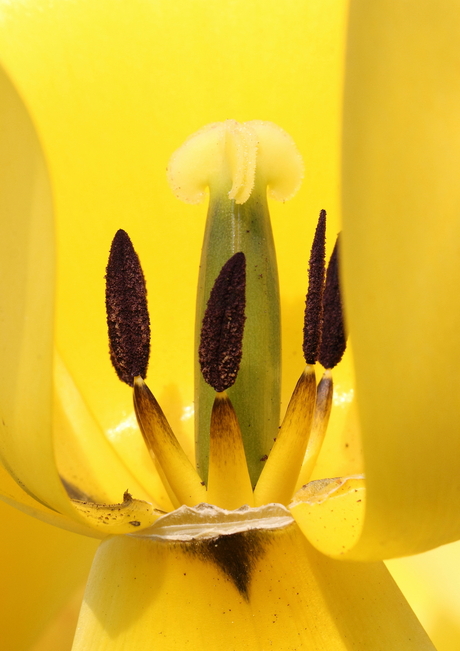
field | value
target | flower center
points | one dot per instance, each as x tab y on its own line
232	302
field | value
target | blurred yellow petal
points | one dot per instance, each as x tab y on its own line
245	590
40	567
60	631
110	105
12	494
431	584
27	293
26	354
402	267
87	462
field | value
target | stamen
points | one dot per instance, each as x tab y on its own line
127	315
324	394
229	484
162	443
333	339
314	303
278	478
223	325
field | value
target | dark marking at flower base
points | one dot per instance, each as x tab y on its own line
236	555
76	493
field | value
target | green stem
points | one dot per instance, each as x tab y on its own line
255	395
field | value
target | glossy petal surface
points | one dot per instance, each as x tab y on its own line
35	554
402	267
251	590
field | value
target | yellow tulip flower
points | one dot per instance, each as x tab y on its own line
95	97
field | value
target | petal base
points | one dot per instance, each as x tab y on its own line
254	588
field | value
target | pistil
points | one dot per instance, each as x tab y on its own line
240	163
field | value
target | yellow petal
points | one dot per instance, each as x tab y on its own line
430	583
402	267
27	293
249	588
330	513
39	567
128	516
59	632
13	495
86	461
27	299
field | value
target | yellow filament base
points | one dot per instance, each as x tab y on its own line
324	395
161	442
278	478
229	484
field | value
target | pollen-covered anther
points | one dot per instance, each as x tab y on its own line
127	314
314	302
235	157
222	330
333	336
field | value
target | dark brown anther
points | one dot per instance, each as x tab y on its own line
127	315
333	338
314	302
222	330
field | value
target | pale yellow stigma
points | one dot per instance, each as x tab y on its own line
235	157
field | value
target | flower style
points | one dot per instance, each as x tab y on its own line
383	175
